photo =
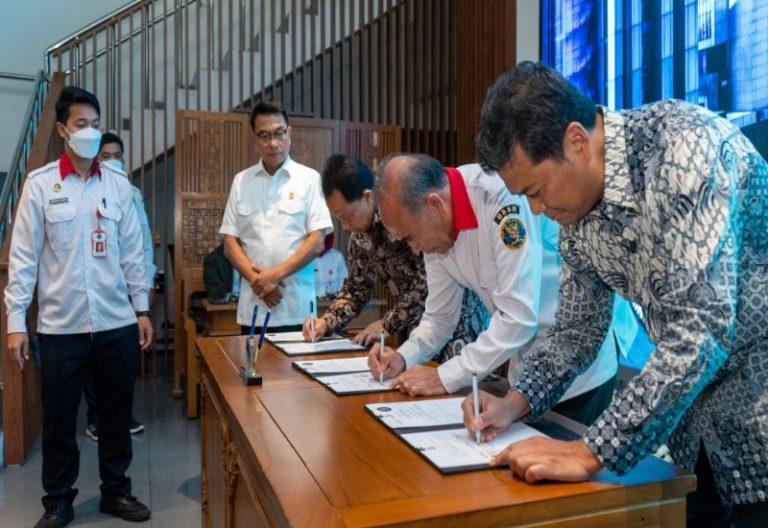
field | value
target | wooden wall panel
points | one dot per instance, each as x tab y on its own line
485	48
211	147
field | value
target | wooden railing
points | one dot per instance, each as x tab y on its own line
22	405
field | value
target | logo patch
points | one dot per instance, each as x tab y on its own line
54	201
513	233
56	187
506	211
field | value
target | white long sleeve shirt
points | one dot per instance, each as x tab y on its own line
510	260
146	236
51	247
271	216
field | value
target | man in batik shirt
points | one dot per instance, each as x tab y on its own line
373	255
667	205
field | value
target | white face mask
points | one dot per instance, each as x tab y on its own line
113	163
85	142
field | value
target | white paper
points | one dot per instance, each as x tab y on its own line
355	382
454	448
419	413
338	345
334	366
294	337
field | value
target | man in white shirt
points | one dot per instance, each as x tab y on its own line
77	236
477	235
273	226
111	153
330	269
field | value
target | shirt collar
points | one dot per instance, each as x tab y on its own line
66	168
463	213
284	168
618	185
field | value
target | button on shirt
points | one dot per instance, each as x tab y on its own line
272	215
682	230
508	257
51	246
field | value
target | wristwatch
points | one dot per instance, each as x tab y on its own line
146	313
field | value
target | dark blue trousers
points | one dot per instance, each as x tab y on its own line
113	363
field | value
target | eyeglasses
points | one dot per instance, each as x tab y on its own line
265	138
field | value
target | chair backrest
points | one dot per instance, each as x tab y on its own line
192	281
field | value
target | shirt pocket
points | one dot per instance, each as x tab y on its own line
60	226
110	216
291	216
246	207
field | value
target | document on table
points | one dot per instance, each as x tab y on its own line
294	337
453	450
322	347
332	366
354	383
418	413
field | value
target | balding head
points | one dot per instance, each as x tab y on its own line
409	178
413	197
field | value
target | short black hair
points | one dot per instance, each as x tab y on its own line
109	137
267	108
425	174
72	95
348	175
530	105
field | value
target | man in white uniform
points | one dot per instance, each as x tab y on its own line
273	226
111	154
77	237
477	235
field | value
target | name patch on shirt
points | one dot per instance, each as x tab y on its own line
506	211
513	233
54	201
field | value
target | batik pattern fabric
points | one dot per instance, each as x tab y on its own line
682	230
376	256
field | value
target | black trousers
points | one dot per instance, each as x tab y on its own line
705	509
245	330
586	407
111	357
89	392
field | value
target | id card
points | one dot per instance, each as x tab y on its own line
99	243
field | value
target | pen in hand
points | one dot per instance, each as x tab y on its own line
312	320
381	355
475	405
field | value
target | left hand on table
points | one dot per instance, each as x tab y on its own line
420	381
540	458
370	334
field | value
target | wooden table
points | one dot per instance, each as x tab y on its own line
291	453
222	318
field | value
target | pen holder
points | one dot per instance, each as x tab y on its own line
248	372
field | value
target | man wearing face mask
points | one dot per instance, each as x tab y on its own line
111	154
77	236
